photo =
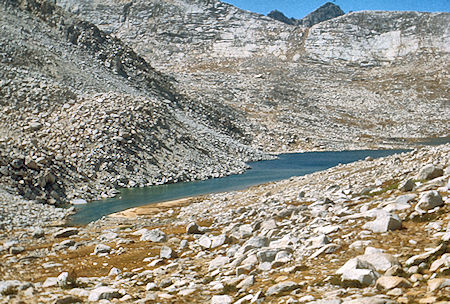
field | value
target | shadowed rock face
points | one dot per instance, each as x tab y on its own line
277	15
325	12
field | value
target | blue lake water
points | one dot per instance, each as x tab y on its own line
286	166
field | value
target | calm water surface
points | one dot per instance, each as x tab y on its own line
286	166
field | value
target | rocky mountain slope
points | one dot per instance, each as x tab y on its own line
365	79
83	114
374	231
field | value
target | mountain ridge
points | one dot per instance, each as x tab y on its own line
325	12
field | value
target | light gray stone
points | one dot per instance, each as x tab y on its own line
103	292
429	200
384	223
218	262
429	172
155	235
281	288
356	271
221	299
205	241
380	261
167	253
102	249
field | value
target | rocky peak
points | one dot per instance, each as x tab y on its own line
277	15
325	12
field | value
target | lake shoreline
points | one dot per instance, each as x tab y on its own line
285	166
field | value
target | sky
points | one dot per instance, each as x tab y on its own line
300	8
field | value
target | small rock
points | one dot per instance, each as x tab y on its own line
193	228
103	292
222	299
167	253
391	282
152	286
436	284
16	249
396	271
65	232
406	185
281	288
218	262
245	231
50	282
165	283
66	280
205	241
381	261
78	202
114	272
425	257
101	248
155	235
38	233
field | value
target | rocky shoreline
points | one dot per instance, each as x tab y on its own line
373	231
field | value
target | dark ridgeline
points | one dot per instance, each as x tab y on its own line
325	12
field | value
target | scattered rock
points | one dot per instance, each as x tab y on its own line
167	253
155	235
103	292
436	284
65	232
102	249
281	288
222	299
391	282
192	228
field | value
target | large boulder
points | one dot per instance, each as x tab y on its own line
356	272
429	200
384	223
429	172
380	261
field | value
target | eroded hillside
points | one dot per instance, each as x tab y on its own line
83	114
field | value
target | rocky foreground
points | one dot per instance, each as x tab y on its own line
373	231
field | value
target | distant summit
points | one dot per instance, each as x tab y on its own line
277	15
325	12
